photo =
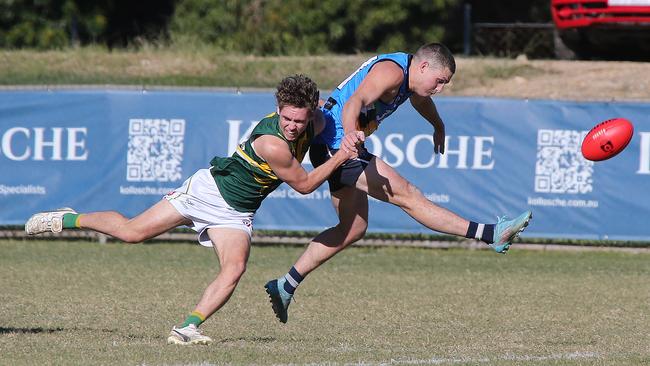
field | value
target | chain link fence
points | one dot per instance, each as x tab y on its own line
535	40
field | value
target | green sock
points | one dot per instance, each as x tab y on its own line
71	221
195	318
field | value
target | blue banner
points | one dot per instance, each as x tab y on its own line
122	150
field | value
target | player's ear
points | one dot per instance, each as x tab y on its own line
424	65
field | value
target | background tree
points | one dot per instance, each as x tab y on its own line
264	27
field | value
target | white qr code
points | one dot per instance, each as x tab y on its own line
155	150
560	166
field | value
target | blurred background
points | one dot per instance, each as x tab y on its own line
582	29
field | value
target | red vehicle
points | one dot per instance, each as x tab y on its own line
609	28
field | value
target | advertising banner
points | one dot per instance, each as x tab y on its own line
123	150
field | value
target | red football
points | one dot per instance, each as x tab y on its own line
607	139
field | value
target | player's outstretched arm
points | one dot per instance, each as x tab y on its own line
428	110
288	168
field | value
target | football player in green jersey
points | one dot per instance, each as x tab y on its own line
220	202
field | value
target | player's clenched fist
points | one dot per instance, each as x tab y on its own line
351	141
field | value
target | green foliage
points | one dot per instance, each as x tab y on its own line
403	25
36	23
277	27
272	27
49	24
258	27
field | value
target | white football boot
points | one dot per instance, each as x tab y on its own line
47	221
187	336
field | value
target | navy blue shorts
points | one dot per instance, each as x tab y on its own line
345	175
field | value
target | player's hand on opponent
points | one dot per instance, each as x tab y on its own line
439	139
350	142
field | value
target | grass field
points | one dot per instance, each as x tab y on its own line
86	303
192	65
204	67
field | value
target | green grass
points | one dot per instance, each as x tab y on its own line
166	67
86	303
205	67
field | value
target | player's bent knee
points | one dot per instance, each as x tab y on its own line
410	193
410	190
358	234
355	233
234	271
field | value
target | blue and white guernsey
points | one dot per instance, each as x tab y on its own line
371	115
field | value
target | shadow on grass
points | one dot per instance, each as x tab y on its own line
7	330
38	330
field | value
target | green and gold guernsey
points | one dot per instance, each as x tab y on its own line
245	179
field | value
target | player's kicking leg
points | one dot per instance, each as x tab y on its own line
156	220
384	183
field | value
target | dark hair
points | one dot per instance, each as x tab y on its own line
298	91
438	54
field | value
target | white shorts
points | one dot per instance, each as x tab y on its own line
199	200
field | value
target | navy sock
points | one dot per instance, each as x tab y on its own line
293	280
483	232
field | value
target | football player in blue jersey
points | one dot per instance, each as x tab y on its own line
361	102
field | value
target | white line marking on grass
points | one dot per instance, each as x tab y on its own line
508	357
566	356
435	361
458	360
